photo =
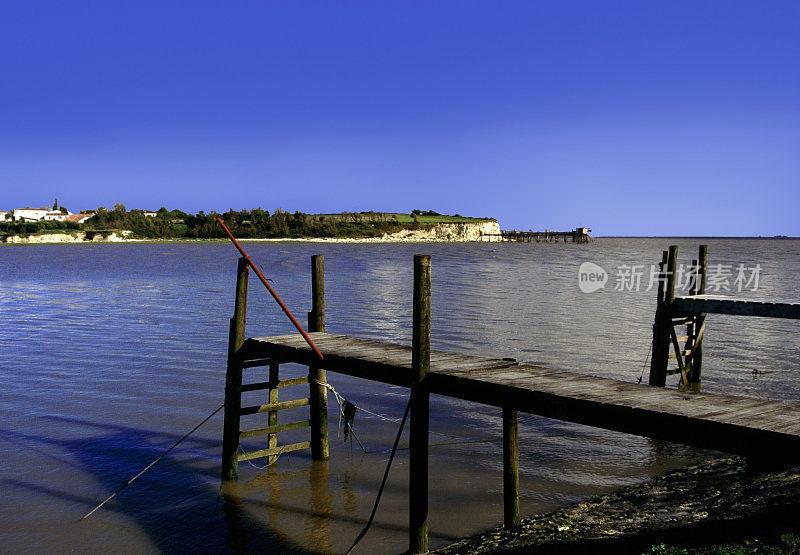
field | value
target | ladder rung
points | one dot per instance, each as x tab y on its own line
293	381
682	321
682	337
273	451
256	386
256	362
275	429
683	353
255	409
673	371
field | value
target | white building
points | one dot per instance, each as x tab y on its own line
29	214
56	216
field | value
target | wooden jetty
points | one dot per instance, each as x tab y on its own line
691	310
756	427
577	235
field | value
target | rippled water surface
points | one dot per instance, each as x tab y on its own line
110	353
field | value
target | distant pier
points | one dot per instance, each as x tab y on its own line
577	235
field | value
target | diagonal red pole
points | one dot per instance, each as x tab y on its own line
269	288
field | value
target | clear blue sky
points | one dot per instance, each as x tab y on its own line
542	114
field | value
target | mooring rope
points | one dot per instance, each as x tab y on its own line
385	476
340	399
146	468
645	362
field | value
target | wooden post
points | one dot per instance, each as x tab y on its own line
317	378
233	377
272	416
697	346
420	395
510	468
663	322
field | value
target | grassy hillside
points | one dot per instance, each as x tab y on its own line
257	223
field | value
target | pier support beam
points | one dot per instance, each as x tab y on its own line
510	468
698	327
317	378
233	377
663	323
420	396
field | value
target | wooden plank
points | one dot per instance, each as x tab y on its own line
281	405
738	307
717	421
275	429
255	363
292	381
274	452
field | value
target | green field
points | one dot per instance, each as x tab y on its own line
405	218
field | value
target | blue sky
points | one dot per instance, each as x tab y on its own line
630	117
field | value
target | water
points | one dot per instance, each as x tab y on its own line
112	352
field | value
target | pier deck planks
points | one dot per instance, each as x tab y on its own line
739	307
722	422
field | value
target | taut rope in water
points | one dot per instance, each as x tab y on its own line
146	468
385	475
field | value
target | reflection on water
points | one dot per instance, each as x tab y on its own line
111	352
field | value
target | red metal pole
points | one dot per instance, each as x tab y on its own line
269	287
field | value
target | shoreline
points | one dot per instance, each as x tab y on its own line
483	232
723	501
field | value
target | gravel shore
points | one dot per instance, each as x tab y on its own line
740	505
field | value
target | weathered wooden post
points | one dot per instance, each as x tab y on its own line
699	326
272	416
510	468
420	395
663	321
317	378
233	376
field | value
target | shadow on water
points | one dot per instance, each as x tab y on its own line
175	503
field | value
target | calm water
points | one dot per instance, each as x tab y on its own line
110	353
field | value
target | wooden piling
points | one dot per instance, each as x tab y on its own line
663	324
420	395
510	468
699	324
233	376
272	416
317	378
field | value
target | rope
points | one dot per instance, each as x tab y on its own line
340	399
383	481
146	468
645	362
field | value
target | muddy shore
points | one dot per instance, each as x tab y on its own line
744	505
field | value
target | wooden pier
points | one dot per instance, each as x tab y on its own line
752	427
577	235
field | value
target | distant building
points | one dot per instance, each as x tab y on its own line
56	216
30	214
145	213
3	215
78	218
